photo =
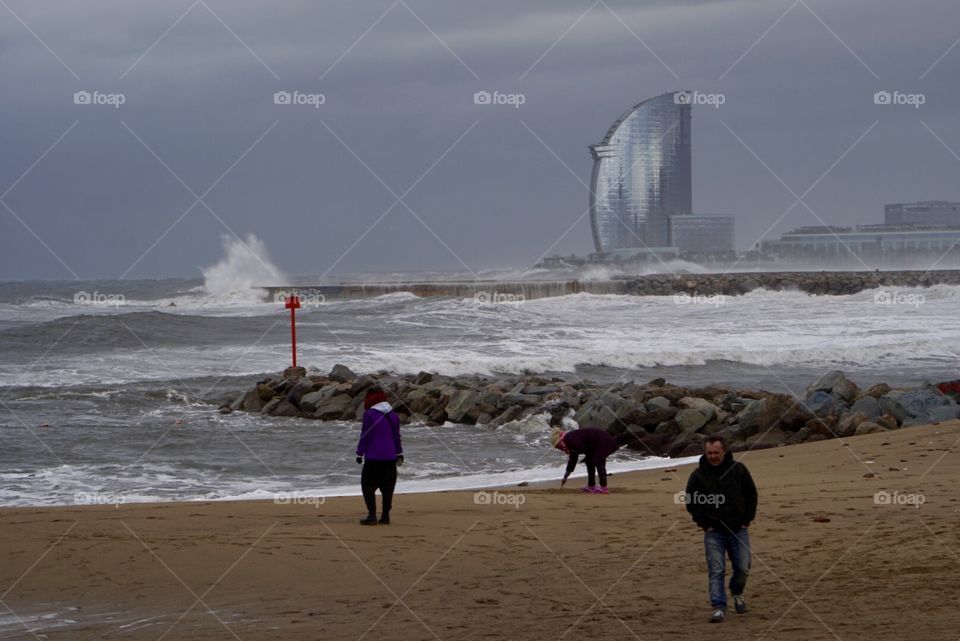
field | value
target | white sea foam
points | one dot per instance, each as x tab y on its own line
69	485
245	265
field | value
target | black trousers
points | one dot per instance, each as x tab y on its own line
378	475
595	469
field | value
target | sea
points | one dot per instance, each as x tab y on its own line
106	386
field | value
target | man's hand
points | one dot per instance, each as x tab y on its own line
359	460
399	460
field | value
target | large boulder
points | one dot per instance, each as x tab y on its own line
821	403
703	406
251	401
461	402
869	406
837	385
749	417
657	402
603	412
271	405
333	408
691	420
869	428
303	386
512	413
310	401
285	408
650	444
849	423
341	374
266	392
785	412
650	418
920	401
893	408
878	390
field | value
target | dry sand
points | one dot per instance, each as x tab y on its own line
829	562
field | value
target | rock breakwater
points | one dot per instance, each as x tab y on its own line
655	417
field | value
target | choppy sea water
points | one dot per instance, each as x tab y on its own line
100	381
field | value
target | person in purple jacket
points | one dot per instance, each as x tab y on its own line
595	445
380	452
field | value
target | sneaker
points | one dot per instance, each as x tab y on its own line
599	490
370	520
586	489
739	605
719	616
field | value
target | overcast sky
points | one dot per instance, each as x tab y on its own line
95	191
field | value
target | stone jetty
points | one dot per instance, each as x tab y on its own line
655	417
733	284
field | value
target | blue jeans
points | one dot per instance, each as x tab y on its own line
718	545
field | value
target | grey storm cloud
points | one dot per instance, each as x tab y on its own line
93	191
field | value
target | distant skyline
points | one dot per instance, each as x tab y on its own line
433	135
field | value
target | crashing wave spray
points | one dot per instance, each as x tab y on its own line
244	266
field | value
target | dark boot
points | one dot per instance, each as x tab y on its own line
370	520
385	518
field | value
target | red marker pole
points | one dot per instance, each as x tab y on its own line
293	304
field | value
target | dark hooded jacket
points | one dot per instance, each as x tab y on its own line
594	443
730	480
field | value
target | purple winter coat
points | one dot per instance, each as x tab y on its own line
380	434
594	443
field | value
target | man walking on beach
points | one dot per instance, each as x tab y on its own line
722	500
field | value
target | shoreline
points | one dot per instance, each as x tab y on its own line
823	545
539	477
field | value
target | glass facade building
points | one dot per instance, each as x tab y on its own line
642	175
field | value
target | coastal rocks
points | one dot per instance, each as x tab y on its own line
869	406
333	408
919	402
655	418
821	403
341	374
869	428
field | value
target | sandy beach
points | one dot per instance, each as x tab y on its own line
832	559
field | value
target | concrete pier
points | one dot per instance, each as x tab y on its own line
817	283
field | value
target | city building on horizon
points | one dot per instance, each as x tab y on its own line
924	212
700	234
642	176
876	246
